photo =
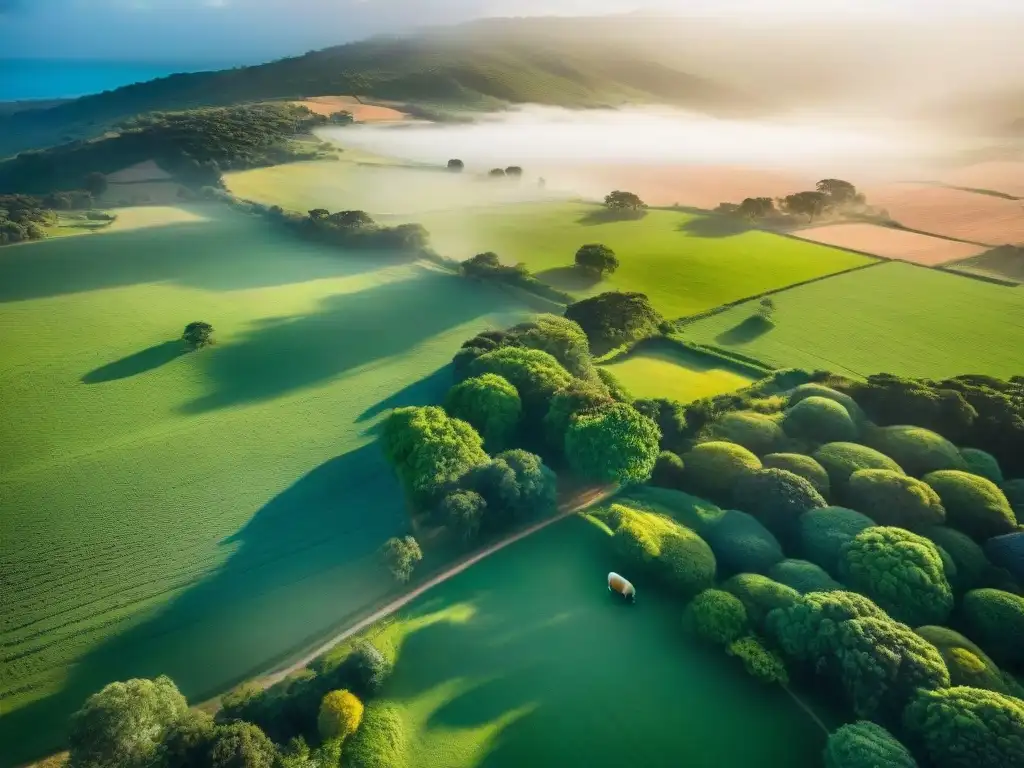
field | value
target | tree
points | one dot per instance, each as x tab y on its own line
824	532
718	617
561	338
623	201
380	741
760	595
865	745
968	664
615	444
614	318
802	465
973	568
490	404
713	468
918	451
967	727
890	498
241	745
124	723
496	173
197	335
809	204
670	416
766	309
514	171
351	220
668	471
96	184
685	562
760	663
365	670
777	498
758	433
516	486
819	420
319	214
578	397
597	259
340	715
456	166
803	576
741	543
401	555
186	742
756	207
973	504
901	571
536	375
842	459
481	265
839	192
342	117
429	450
994	619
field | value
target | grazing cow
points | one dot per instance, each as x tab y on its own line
621	586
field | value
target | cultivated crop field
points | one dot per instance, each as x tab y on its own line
894	318
492	670
202	514
1006	177
667	370
685	263
364	113
891	243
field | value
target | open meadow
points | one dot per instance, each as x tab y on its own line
894	318
546	668
204	514
662	369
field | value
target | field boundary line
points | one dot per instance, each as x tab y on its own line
576	504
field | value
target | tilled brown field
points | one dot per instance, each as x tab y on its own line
891	243
1005	177
364	113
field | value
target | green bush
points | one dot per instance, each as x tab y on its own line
578	397
968	664
819	420
463	512
892	498
995	620
917	450
865	745
841	460
718	617
799	464
803	576
901	571
967	727
668	471
777	498
491	405
805	627
741	544
760	595
536	375
973	569
561	338
973	504
615	444
824	532
982	464
760	663
820	390
636	545
756	432
687	563
380	741
1007	552
711	469
516	486
1014	492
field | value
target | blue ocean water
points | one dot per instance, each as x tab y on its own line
64	78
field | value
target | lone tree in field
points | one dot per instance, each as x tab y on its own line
809	204
839	192
766	308
514	171
197	335
496	173
756	208
456	166
401	556
597	259
96	184
624	201
343	117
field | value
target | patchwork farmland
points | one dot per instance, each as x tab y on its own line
891	243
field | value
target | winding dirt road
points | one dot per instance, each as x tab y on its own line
575	504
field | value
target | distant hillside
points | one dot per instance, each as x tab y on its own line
464	65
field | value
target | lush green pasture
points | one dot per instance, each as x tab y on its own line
685	263
895	318
525	659
200	514
667	370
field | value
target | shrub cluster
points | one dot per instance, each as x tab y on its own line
801	465
892	498
23	217
778	499
842	459
973	504
741	543
824	533
712	469
866	745
820	420
758	433
918	451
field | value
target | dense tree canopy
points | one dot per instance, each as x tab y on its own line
561	338
23	217
614	318
891	498
241	745
754	208
124	723
670	416
901	571
973	504
429	450
516	486
967	727
620	200
864	744
839	192
464	512
536	375
614	444
597	259
824	533
578	397
809	204
490	404
777	498
760	662
668	471
803	576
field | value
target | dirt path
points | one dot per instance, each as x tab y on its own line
574	505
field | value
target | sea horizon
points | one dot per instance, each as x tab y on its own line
55	78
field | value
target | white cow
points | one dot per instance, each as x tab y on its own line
621	586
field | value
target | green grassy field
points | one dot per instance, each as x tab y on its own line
525	659
685	263
893	318
198	515
666	370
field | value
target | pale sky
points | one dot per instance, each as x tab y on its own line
256	30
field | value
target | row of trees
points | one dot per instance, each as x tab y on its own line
357	230
829	195
23	217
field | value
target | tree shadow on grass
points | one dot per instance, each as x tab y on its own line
570	279
427	391
303	564
745	332
714	226
348	331
606	216
148	359
227	251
